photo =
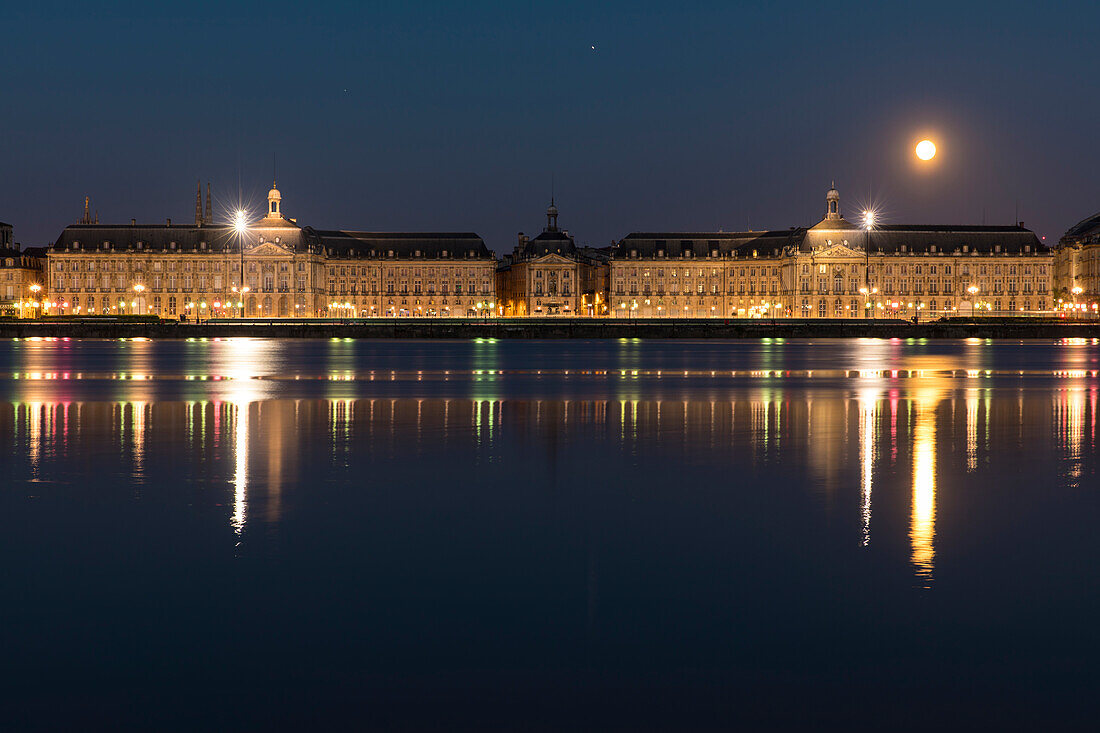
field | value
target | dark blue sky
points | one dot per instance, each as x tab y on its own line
454	116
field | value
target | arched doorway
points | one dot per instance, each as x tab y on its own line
284	307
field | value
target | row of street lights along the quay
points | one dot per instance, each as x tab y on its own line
1076	308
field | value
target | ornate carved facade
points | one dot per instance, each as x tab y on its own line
550	276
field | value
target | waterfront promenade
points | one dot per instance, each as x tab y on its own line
550	328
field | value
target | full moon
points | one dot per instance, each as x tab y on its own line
926	150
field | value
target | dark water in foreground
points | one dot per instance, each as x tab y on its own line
549	535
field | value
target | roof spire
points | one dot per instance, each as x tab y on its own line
198	204
87	218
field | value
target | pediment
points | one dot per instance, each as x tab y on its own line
269	248
838	251
552	259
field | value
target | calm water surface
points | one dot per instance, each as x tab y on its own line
255	534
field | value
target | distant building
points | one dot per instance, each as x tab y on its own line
550	276
1077	263
834	269
273	268
22	286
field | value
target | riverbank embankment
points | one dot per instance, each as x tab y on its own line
502	328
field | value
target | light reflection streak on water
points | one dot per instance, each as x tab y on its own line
971	430
868	414
239	357
922	527
137	412
1069	419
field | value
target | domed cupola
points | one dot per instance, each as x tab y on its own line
832	203
552	217
274	202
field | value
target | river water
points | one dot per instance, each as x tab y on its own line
549	535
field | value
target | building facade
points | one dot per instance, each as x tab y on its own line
834	269
550	276
433	275
22	285
1077	265
267	268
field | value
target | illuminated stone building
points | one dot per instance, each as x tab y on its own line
402	274
275	268
550	276
267	268
22	285
1077	264
834	269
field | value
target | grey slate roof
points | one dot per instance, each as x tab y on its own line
93	237
887	239
555	242
949	239
404	245
1086	229
701	244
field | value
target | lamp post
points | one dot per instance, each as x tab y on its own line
240	227
139	289
868	225
35	288
973	290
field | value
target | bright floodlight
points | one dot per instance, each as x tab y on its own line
869	219
240	224
926	150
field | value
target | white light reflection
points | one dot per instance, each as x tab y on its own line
868	416
237	357
240	476
971	430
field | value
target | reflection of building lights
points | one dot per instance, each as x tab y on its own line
922	529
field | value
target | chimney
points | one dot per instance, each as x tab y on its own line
169	222
133	222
